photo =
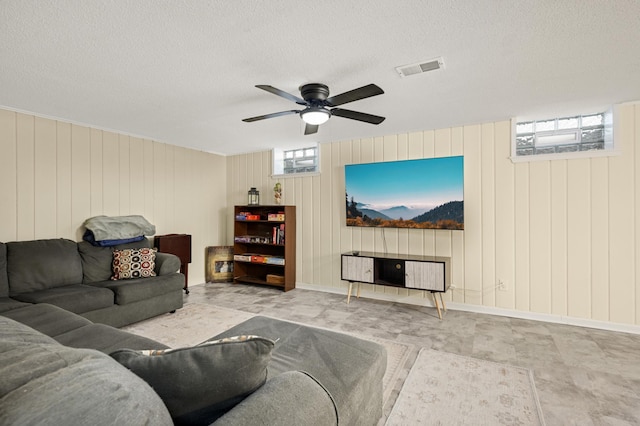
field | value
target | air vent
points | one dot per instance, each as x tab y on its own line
430	65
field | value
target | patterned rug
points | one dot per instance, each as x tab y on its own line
197	322
449	389
192	324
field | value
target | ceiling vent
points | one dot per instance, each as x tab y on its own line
430	65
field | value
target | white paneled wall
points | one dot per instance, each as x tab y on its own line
563	235
55	175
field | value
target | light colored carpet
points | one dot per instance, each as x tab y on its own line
448	389
197	322
193	324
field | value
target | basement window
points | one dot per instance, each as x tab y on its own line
295	162
574	136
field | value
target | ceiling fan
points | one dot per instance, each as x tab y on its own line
316	100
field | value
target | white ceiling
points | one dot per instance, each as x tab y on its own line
183	72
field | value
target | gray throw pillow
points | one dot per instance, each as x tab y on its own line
200	383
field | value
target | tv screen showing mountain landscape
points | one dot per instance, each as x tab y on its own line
422	194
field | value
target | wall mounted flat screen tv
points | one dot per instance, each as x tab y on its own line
424	194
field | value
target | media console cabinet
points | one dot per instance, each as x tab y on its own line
429	273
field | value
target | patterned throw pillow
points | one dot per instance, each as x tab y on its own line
198	384
133	263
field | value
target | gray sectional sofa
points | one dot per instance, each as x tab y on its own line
57	367
60	363
76	277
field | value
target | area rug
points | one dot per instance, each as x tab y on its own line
197	322
448	389
193	324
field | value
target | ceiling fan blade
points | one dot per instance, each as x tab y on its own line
354	95
355	115
310	129
275	114
281	93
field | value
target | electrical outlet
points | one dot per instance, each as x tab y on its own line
502	285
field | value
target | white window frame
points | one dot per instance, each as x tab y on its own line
278	161
610	149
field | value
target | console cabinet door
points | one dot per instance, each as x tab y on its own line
425	275
357	268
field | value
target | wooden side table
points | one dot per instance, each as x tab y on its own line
179	245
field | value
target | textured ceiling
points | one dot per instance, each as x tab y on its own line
183	72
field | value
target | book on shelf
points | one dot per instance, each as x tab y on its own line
252	239
274	260
259	258
278	235
242	257
247	216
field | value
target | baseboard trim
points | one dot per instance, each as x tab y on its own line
490	310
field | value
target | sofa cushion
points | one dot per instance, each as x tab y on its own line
78	298
47	319
7	304
42	264
96	262
12	331
134	290
44	382
105	339
4	280
134	244
121	315
167	263
134	263
200	383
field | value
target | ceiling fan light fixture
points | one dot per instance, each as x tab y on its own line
315	115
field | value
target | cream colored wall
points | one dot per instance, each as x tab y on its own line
564	235
54	175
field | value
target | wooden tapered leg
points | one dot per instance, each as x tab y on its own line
358	293
349	293
435	300
444	306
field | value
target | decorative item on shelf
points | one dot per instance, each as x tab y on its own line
254	197
275	279
277	193
276	217
219	264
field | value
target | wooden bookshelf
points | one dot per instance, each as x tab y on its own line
264	245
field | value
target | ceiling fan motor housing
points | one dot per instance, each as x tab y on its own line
314	93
